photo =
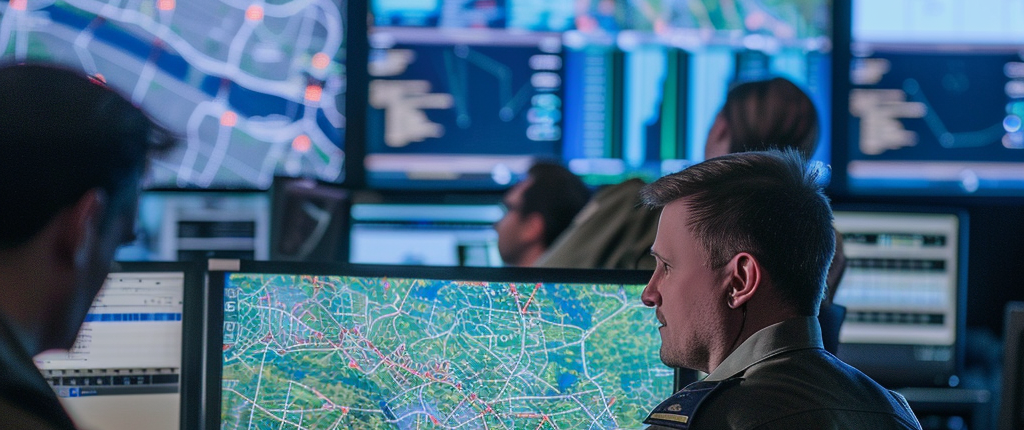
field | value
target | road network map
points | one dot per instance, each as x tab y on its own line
254	88
345	352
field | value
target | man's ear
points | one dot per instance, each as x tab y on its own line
744	279
718	137
78	226
533	227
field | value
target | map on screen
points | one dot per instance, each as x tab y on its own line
254	89
367	352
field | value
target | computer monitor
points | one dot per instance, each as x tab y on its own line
309	219
130	366
420	233
935	99
1011	402
616	89
461	108
255	89
905	293
372	346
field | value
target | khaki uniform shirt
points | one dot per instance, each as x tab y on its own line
781	378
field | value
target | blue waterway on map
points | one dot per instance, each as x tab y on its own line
328	129
428	291
565	361
246	102
387	410
171	63
566	380
261	104
574	310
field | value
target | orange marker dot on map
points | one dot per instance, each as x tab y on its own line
254	13
302	143
321	60
229	119
313	93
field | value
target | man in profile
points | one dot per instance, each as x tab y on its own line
72	154
538	209
743	245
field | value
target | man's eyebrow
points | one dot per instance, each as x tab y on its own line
656	255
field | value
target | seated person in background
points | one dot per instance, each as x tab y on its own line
614	232
743	246
73	154
538	209
761	115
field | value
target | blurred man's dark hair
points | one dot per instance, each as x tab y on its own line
60	138
557	194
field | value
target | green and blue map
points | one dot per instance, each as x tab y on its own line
325	352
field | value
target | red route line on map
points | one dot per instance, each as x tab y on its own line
481	405
527	305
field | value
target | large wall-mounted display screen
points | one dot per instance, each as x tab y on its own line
466	95
936	98
255	89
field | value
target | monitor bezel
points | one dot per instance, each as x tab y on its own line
219	269
1011	401
903	377
192	330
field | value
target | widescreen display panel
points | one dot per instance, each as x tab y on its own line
466	348
254	89
936	99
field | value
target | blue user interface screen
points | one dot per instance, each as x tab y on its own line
469	94
936	103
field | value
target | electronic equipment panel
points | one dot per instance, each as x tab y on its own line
372	346
460	109
425	234
1011	400
904	290
646	87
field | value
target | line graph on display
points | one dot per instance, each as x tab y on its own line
457	62
946	138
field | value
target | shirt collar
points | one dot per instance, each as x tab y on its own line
789	335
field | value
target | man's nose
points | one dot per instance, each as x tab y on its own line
650	296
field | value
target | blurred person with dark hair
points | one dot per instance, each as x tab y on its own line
743	248
776	114
538	209
72	156
761	115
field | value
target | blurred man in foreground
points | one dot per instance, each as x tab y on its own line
72	154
